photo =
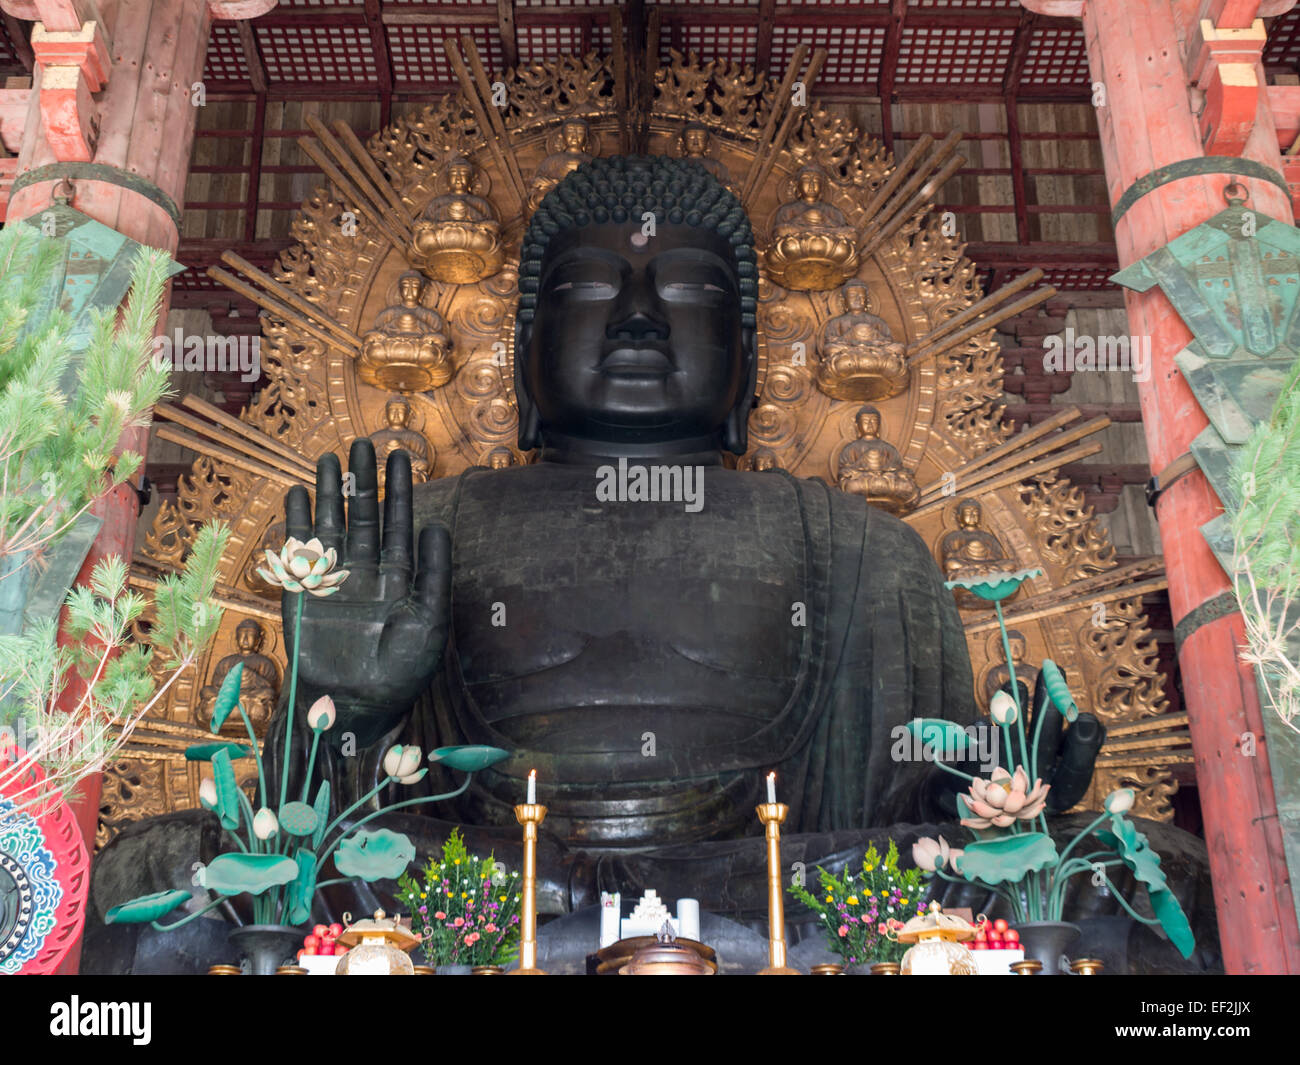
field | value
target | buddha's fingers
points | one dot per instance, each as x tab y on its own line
398	535
329	502
362	549
432	586
297	513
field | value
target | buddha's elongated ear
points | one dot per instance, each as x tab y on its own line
735	432
530	436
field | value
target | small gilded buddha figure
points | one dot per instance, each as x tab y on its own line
408	348
859	357
696	143
999	677
575	148
499	458
971	551
399	434
259	686
813	246
764	460
873	468
458	237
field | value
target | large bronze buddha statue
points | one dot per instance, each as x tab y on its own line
651	659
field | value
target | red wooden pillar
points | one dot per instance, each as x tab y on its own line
1139	54
110	110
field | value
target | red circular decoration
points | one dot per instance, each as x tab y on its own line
61	837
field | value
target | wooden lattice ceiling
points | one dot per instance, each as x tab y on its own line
1032	192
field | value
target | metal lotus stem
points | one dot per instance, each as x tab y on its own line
530	815
772	814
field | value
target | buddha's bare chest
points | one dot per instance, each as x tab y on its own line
558	597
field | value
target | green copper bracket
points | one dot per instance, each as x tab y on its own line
1199	166
111	175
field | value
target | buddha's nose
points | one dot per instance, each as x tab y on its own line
636	316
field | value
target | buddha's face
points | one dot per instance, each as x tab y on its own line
868	424
695	141
575	136
810	185
855	298
459	179
409	289
764	460
1017	648
968	515
636	340
398	415
247	639
500	459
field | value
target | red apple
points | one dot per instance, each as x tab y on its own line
310	941
311	950
979	944
981	936
1000	925
327	949
320	930
336	930
1011	936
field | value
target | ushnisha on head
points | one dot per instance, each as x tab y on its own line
637	336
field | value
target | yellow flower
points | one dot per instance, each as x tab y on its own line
853	900
457	861
869	894
501	898
423	895
903	901
464	894
868	868
830	898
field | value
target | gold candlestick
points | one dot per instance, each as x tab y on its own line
530	815
772	814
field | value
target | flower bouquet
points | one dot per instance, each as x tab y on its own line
281	847
466	908
1013	853
861	913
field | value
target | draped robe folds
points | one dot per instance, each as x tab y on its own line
852	594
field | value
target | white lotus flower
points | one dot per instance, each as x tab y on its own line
208	794
1002	709
322	714
265	824
303	567
404	763
1120	801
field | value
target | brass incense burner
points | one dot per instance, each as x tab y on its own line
664	955
377	947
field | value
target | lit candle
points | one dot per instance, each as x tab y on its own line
771	787
532	787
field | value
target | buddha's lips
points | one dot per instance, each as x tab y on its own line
636	361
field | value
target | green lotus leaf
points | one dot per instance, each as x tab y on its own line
321	808
223	775
947	738
1173	921
1135	850
303	886
1132	846
146	907
298	819
1007	859
232	874
468	759
382	855
227	697
992	587
203	752
1058	691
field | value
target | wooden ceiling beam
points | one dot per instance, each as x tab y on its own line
508	33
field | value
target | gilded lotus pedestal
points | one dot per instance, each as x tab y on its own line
811	262
460	253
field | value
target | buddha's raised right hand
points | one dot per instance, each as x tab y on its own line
376	643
